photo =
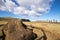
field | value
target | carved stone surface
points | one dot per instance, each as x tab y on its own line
15	30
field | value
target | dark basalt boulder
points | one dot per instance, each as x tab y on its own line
16	30
26	20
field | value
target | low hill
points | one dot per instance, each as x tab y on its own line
4	20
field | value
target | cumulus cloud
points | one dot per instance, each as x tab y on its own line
26	7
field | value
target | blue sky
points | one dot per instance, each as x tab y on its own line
54	12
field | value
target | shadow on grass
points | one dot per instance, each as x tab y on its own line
44	37
3	36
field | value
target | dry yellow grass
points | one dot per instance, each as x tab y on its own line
52	30
3	22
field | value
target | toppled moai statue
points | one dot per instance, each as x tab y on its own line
16	30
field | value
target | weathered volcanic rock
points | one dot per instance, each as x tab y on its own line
26	20
16	30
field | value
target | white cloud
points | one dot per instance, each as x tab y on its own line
26	7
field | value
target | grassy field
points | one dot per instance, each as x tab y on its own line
52	30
